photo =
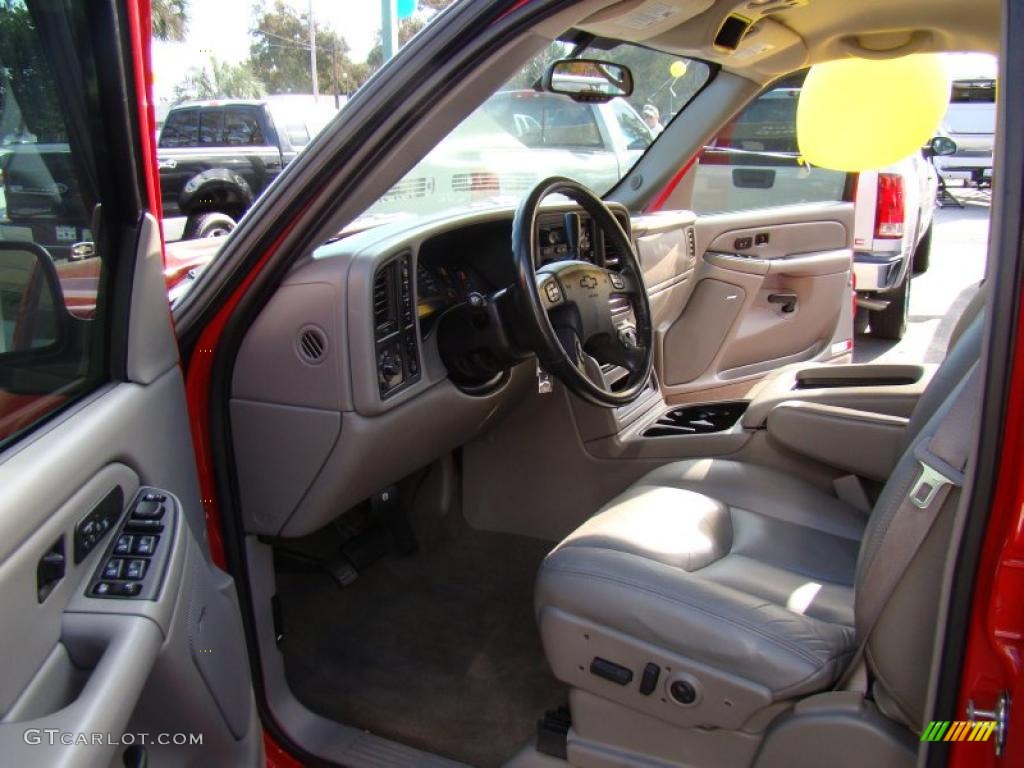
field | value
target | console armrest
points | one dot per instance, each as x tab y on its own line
876	387
863	443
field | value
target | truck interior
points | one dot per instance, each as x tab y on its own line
648	548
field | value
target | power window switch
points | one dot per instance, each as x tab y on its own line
136	570
114	568
145	545
124	544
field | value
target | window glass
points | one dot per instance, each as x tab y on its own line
634	129
242	127
211	122
754	161
181	129
973	91
546	120
51	349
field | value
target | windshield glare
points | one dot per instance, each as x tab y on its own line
520	135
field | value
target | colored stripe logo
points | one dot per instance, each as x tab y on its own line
958	730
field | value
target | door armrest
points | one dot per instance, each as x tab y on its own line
861	442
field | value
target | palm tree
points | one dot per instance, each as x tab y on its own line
170	20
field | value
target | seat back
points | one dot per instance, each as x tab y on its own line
901	636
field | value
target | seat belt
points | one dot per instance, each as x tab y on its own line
942	461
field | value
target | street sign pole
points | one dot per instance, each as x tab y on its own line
389	27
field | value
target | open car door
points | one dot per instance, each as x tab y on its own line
123	643
763	274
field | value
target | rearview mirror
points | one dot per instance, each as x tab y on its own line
588	79
942	146
33	318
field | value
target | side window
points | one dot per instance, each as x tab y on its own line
754	161
181	129
638	135
51	275
242	127
211	123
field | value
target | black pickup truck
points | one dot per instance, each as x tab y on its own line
217	157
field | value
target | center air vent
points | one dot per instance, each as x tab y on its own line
311	345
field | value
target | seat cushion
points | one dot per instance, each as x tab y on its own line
732	565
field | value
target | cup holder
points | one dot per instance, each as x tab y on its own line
697	420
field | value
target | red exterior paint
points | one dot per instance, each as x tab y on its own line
993	661
142	39
669	188
276	755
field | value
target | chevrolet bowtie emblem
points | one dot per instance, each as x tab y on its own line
589	282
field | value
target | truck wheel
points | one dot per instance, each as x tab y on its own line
891	322
208	225
923	253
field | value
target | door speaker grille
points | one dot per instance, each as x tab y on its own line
311	345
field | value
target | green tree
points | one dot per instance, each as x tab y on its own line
279	54
219	80
170	19
29	105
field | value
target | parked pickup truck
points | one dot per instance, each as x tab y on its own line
494	153
217	157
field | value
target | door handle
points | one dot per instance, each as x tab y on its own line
787	300
50	569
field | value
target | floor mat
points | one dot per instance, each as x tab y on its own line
438	650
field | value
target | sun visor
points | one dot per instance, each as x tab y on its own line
858	114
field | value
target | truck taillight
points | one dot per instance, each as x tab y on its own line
889	206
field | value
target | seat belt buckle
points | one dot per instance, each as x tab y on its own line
928	484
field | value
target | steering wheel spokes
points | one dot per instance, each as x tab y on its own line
573	309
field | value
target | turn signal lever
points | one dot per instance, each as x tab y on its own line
787	300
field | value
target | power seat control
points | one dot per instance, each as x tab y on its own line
609	670
137	556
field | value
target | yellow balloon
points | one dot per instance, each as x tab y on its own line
861	114
677	68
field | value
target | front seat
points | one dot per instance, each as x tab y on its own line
711	596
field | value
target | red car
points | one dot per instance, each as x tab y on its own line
577	478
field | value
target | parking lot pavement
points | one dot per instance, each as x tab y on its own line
959	245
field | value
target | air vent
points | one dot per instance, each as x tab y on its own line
691	244
311	345
384	301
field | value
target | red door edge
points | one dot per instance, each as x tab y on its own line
994	656
142	43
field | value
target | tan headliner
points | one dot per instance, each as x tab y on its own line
790	34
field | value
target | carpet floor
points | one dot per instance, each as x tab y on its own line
438	650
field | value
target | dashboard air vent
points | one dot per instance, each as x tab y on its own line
312	345
384	301
691	244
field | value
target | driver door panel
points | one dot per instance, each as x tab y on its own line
767	288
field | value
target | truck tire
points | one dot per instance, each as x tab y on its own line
208	225
891	322
923	253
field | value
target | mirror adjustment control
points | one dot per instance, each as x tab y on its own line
148	509
124	544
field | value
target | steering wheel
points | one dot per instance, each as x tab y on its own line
565	307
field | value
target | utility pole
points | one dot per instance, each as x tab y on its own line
312	52
389	27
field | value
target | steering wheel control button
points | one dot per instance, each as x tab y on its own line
611	671
628	337
552	291
649	678
683	692
616	280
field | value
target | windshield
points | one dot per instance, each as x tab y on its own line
520	135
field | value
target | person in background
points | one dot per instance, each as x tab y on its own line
653	119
